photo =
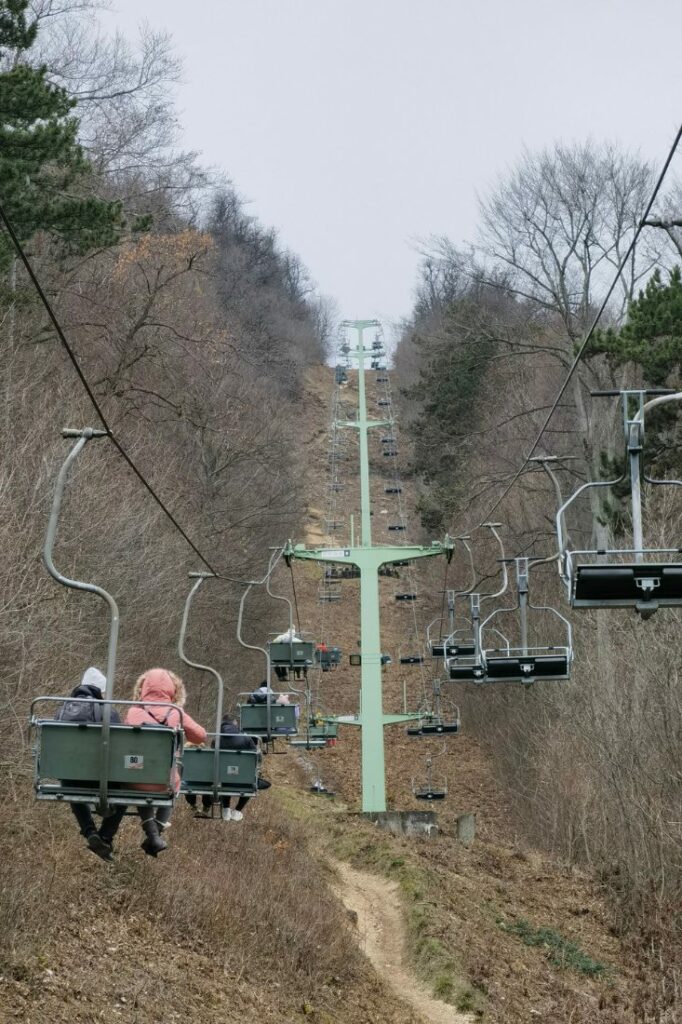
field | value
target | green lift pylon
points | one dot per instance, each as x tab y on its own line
368	558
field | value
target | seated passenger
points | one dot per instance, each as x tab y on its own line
260	696
288	637
158	686
92	687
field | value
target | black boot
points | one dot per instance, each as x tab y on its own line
153	844
99	846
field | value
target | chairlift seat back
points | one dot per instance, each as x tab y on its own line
411	659
438	728
393	490
326	731
72	751
406	597
463	672
253	719
439	649
430	794
627	586
238	772
299	653
516	667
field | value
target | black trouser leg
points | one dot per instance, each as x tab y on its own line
83	816
191	799
111	823
242	802
226	801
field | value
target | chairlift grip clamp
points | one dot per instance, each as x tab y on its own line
87	432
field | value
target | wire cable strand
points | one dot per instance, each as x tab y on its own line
592	328
98	409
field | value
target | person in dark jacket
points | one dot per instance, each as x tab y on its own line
230	739
91	688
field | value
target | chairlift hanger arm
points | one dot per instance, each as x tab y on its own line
493	527
199	578
83	436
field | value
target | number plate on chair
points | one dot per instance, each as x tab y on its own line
232	769
134	761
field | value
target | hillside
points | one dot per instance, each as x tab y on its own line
247	922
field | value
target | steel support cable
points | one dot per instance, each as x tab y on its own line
592	328
72	356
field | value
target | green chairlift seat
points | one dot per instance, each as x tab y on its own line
68	762
253	719
238	772
297	654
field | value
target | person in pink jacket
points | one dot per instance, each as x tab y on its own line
157	685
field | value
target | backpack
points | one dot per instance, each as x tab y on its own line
77	711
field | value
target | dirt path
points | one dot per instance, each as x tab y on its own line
382	934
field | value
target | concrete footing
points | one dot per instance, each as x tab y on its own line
406	823
466	828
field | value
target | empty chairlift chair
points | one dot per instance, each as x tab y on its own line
638	577
430	789
441	719
526	663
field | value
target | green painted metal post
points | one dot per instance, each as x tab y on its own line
365	501
368	559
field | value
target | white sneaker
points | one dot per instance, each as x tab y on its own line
226	814
237	816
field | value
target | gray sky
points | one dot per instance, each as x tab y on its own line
357	127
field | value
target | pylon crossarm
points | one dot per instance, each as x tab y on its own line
370	557
416	716
368	423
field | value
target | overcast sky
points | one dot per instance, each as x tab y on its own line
359	127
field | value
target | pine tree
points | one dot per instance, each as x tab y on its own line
652	336
43	171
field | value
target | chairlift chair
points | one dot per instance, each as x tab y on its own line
410	659
218	772
437	720
407	596
99	763
396	527
393	490
638	577
268	719
526	664
329	658
430	790
390	453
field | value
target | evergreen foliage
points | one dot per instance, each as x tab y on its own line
652	335
42	166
